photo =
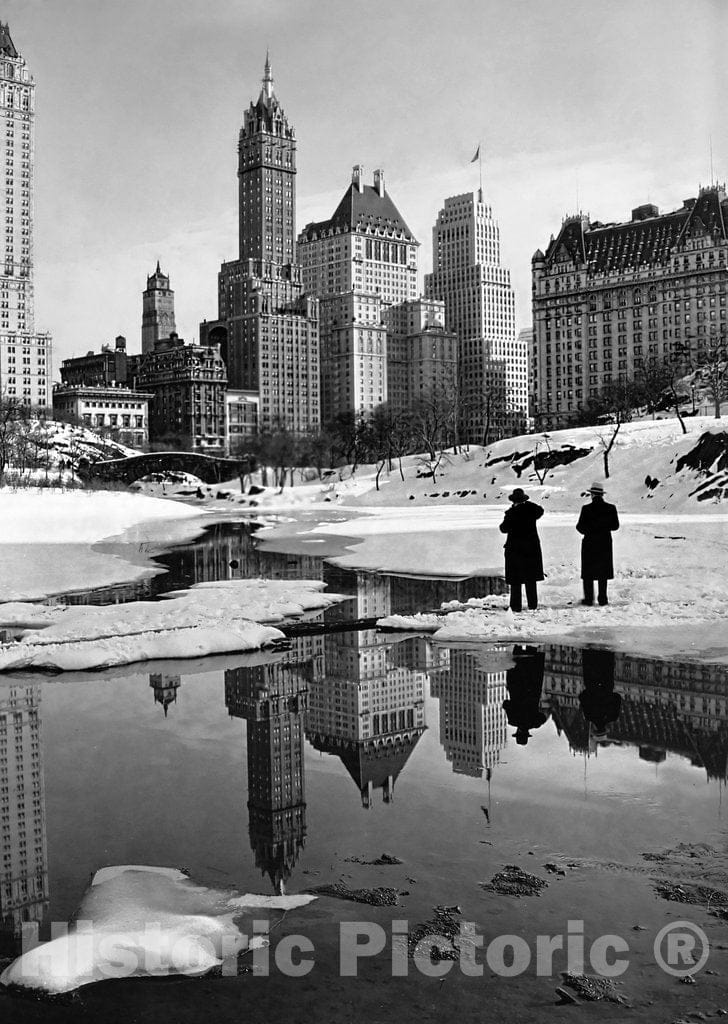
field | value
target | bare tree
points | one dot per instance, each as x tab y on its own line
713	369
494	399
13	414
541	463
386	435
617	399
346	433
660	383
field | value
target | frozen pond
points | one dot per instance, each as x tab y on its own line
288	771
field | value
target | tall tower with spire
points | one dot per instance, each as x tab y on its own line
157	310
272	340
25	355
267	179
273	699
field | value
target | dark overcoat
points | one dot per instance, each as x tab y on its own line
599	702
524	683
524	561
596	523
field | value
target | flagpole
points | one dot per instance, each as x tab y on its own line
480	169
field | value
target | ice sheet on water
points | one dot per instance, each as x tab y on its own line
140	921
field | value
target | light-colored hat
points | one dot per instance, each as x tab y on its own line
596	488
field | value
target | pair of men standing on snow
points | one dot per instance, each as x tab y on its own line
524	562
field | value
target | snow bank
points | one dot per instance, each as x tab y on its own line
643	473
74	517
210	618
138	921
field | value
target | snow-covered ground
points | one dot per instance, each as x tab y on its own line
210	618
46	538
670	553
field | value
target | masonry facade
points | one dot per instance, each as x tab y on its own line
469	278
270	340
158	320
115	412
104	368
379	341
188	384
609	297
25	354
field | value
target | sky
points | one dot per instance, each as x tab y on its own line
598	106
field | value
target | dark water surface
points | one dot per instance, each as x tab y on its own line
269	772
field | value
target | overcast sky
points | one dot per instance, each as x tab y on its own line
139	104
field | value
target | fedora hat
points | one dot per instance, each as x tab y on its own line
596	488
518	495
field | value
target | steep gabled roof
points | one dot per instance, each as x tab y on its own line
7	48
366	211
647	239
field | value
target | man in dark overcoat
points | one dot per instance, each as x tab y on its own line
525	682
524	562
597	521
600	704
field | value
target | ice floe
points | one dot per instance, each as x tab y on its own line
141	921
210	618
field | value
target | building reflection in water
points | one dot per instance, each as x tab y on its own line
24	867
666	707
369	707
272	698
165	689
471	687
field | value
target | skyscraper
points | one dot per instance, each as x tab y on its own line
272	699
379	341
271	344
25	356
473	724
157	310
368	708
365	246
479	302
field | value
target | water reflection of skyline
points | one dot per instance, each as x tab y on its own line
360	696
24	892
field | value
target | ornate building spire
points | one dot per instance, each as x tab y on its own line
267	93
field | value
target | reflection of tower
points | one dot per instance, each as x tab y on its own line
165	689
370	708
272	699
473	724
667	707
23	870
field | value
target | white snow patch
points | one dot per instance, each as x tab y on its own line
138	921
210	618
74	517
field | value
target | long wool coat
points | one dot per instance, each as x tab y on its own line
596	523
525	682
524	561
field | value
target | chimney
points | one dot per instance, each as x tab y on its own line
379	181
645	211
357	175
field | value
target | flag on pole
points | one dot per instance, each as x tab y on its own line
477	155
